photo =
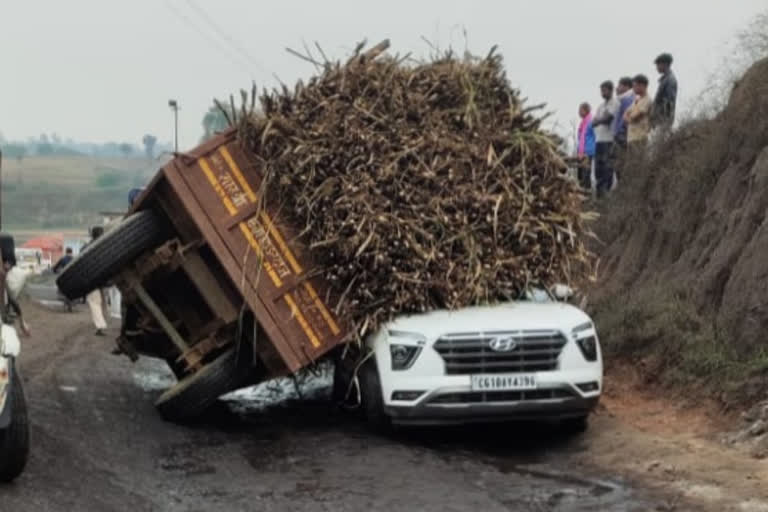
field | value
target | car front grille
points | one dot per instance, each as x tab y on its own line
480	397
471	353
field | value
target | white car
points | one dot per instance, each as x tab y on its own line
527	360
14	429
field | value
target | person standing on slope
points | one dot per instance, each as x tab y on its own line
666	95
626	97
638	116
603	126
586	148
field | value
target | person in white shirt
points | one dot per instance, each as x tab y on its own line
95	298
15	279
603	125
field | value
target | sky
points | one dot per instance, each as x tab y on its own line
104	70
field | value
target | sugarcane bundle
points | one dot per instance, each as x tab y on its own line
419	186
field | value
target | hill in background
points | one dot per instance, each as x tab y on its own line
64	192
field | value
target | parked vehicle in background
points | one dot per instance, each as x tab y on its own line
14	427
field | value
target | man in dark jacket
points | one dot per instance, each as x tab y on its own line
666	95
63	261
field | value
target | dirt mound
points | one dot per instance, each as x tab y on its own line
419	186
685	240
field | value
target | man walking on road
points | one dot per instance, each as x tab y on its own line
638	116
60	265
95	298
603	125
666	95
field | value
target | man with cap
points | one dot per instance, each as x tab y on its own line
666	95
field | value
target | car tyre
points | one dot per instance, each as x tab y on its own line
198	391
575	426
108	254
14	439
372	398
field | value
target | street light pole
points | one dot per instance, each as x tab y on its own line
175	107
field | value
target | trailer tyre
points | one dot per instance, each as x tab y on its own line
14	439
195	393
108	254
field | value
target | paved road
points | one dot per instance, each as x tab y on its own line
98	445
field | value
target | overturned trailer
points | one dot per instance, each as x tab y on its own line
211	279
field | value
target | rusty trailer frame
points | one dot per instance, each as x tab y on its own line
237	256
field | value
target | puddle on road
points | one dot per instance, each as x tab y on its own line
565	491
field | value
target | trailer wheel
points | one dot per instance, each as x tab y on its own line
108	254
14	439
197	392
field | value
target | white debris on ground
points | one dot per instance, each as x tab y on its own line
311	384
153	375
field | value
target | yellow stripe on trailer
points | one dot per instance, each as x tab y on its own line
217	186
302	321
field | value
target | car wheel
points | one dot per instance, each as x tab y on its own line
108	254
372	398
575	426
340	384
344	363
196	392
14	439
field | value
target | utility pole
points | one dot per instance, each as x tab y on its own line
175	107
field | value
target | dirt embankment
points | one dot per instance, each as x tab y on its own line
683	273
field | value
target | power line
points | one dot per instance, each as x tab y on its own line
234	58
233	43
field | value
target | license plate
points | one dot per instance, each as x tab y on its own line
503	382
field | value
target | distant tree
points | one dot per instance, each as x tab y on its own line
44	139
45	148
55	139
215	121
126	149
149	145
17	151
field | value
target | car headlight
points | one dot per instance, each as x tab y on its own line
586	341
588	348
404	348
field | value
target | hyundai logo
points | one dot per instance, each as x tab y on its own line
503	344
